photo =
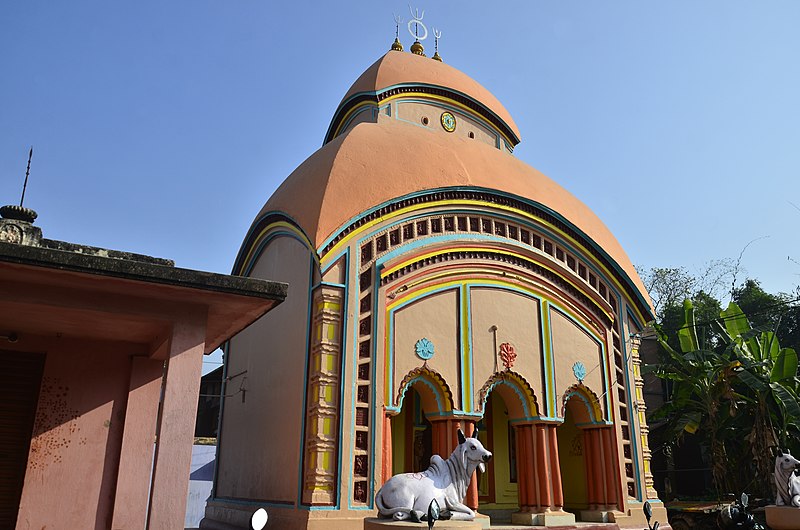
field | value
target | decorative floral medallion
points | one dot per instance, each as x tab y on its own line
508	354
424	349
579	370
448	122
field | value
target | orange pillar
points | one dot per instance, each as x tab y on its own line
543	470
386	468
612	469
472	491
555	466
591	475
524	467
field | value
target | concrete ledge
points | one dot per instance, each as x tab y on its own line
543	518
783	517
374	523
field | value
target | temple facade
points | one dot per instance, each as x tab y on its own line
437	282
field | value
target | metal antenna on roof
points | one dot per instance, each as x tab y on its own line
27	173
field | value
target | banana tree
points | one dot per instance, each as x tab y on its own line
739	394
768	376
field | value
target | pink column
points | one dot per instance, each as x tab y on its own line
555	466
138	442
543	470
612	469
472	491
591	474
386	467
170	482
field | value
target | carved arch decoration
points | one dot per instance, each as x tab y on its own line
591	412
432	388
516	391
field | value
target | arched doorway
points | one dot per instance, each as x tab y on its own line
506	401
418	424
572	458
498	495
587	457
412	436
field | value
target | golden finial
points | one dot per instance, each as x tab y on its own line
417	48
397	45
436	36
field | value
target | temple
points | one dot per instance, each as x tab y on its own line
436	282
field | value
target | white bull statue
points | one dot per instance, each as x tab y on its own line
407	496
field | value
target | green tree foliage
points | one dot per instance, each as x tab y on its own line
735	388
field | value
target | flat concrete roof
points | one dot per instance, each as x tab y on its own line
87	292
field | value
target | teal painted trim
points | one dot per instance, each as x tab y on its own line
594	423
247	241
623	330
352	117
342	365
424	381
525	409
614	265
542	419
603	356
302	458
552	396
330	284
354	368
373	426
263	244
585	404
470	369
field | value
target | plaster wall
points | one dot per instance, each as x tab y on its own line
570	345
434	317
260	441
74	455
517	319
414	112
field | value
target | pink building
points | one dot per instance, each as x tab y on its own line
102	354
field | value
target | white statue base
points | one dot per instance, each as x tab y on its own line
373	523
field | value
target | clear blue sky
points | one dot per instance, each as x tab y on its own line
163	127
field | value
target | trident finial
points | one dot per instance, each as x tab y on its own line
436	36
416	20
397	45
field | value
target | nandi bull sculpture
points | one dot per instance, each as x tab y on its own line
408	496
787	484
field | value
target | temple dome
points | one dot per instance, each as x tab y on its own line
371	163
398	69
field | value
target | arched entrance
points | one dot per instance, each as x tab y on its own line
587	457
412	436
418	424
510	490
572	458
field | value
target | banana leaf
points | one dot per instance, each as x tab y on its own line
687	334
784	366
